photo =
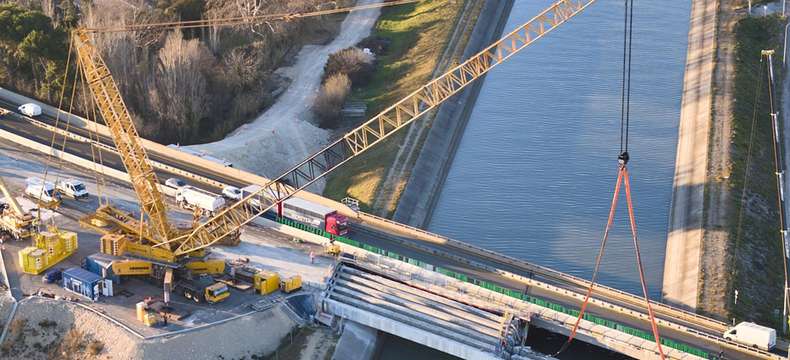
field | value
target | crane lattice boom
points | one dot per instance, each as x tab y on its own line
116	116
394	118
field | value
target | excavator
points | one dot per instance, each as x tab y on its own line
152	237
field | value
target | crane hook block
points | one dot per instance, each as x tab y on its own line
623	158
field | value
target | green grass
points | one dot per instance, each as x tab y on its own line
756	258
418	34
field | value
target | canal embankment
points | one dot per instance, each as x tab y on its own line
423	40
685	229
430	169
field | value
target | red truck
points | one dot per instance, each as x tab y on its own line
315	215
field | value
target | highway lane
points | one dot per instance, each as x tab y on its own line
19	125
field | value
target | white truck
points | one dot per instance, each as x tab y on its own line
72	188
42	191
192	198
751	334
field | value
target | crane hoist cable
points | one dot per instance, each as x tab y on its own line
623	180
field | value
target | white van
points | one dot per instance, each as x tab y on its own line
42	191
30	109
72	188
751	334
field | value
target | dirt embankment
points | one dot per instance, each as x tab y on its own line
742	248
48	329
423	39
713	279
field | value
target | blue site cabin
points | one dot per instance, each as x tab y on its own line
82	282
101	264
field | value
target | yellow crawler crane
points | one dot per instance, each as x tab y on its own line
14	222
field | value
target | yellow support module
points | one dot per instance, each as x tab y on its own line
49	248
291	284
266	282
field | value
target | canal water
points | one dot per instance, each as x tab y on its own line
534	173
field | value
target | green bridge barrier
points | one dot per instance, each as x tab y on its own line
502	290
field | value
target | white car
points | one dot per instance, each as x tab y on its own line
30	109
232	192
175	183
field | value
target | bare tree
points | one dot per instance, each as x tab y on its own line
179	97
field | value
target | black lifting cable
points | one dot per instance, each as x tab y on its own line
623	179
625	96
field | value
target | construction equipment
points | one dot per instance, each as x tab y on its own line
14	222
49	248
291	284
266	282
203	289
332	249
132	267
206	267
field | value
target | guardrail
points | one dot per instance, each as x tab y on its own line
614	293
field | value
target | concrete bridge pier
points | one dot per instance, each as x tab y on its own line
358	342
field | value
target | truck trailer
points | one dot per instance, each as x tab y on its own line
316	215
192	198
751	334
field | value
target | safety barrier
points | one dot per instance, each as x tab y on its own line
499	289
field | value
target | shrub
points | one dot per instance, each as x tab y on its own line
329	102
353	62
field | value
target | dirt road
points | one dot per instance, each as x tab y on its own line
284	134
682	264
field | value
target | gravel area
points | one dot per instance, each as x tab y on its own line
5	307
258	334
45	329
